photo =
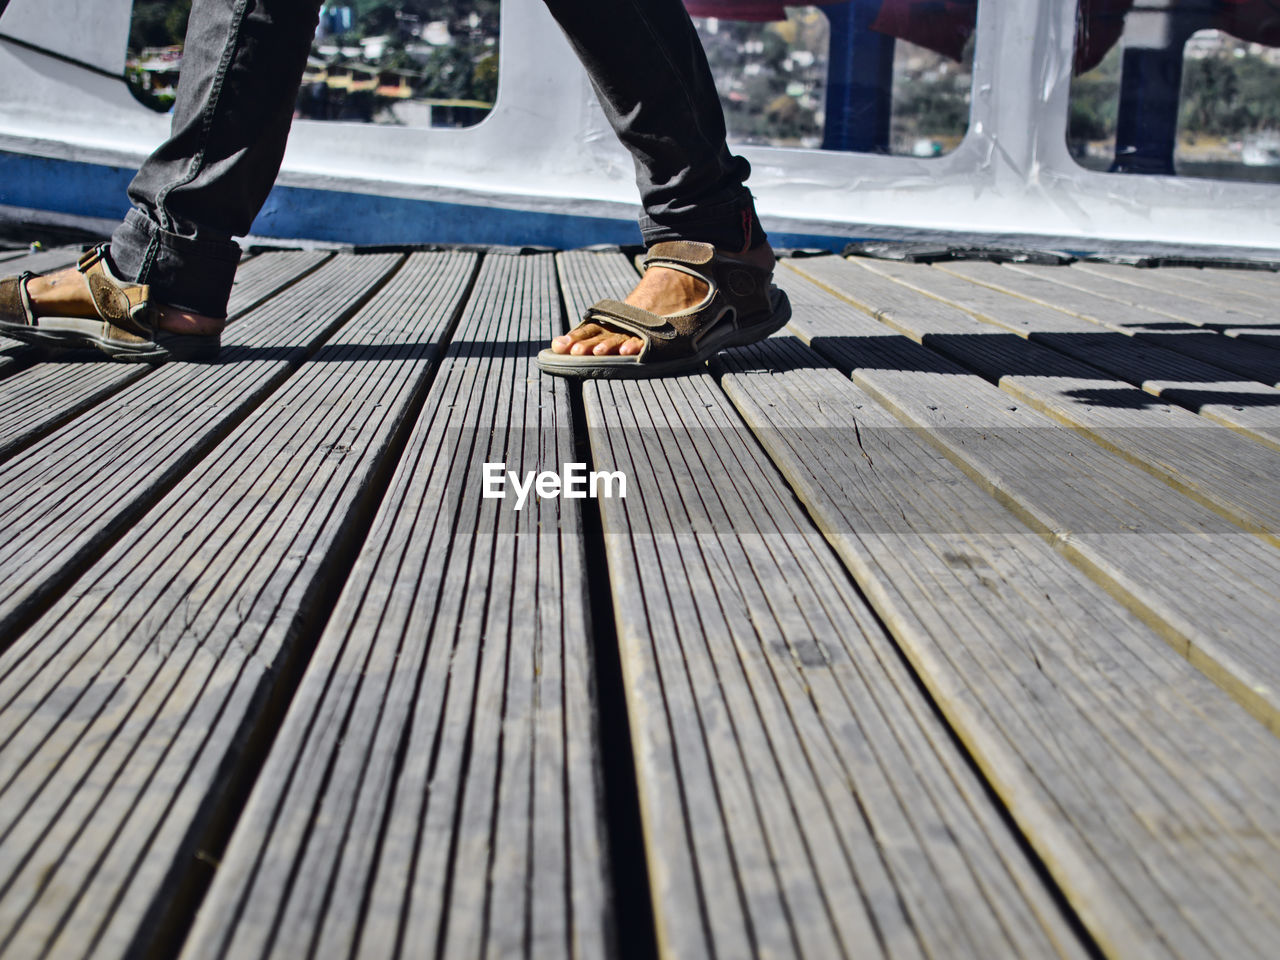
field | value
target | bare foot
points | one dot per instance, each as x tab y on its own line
65	294
661	291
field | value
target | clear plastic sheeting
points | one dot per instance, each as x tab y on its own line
546	147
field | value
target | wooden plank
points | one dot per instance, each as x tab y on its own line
1255	326
45	395
1217	394
1036	668
1207	346
1216	593
1258	283
432	790
1202	312
128	707
43	261
260	277
795	785
1220	469
1233	287
118	454
1185	282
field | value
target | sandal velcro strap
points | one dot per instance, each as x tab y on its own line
681	251
745	285
664	337
14	301
633	319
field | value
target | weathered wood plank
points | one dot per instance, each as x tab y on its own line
45	395
1037	669
1226	287
43	260
1168	303
1256	326
260	277
795	785
1219	468
432	791
1264	284
1207	346
1215	598
129	705
1213	392
64	496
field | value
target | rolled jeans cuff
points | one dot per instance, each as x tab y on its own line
729	226
183	272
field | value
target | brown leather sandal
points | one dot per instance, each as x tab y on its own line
123	328
741	306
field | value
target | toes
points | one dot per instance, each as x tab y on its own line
619	343
593	339
589	345
583	333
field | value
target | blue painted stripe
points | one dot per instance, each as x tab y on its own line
95	190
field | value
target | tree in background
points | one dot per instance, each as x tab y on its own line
158	23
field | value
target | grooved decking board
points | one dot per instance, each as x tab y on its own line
1210	589
261	276
39	398
433	789
1250	407
1257	326
1264	284
127	707
796	786
71	492
1149	795
1228	473
42	261
1222	288
1204	312
44	395
1230	353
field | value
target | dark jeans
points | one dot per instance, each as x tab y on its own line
242	65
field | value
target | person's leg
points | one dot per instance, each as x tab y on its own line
648	68
242	65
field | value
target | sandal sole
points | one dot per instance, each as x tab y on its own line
171	347
629	368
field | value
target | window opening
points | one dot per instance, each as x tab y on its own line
872	76
415	63
1178	87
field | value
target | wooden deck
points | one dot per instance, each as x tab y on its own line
943	624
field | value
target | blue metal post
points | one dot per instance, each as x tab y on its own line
859	80
1147	122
